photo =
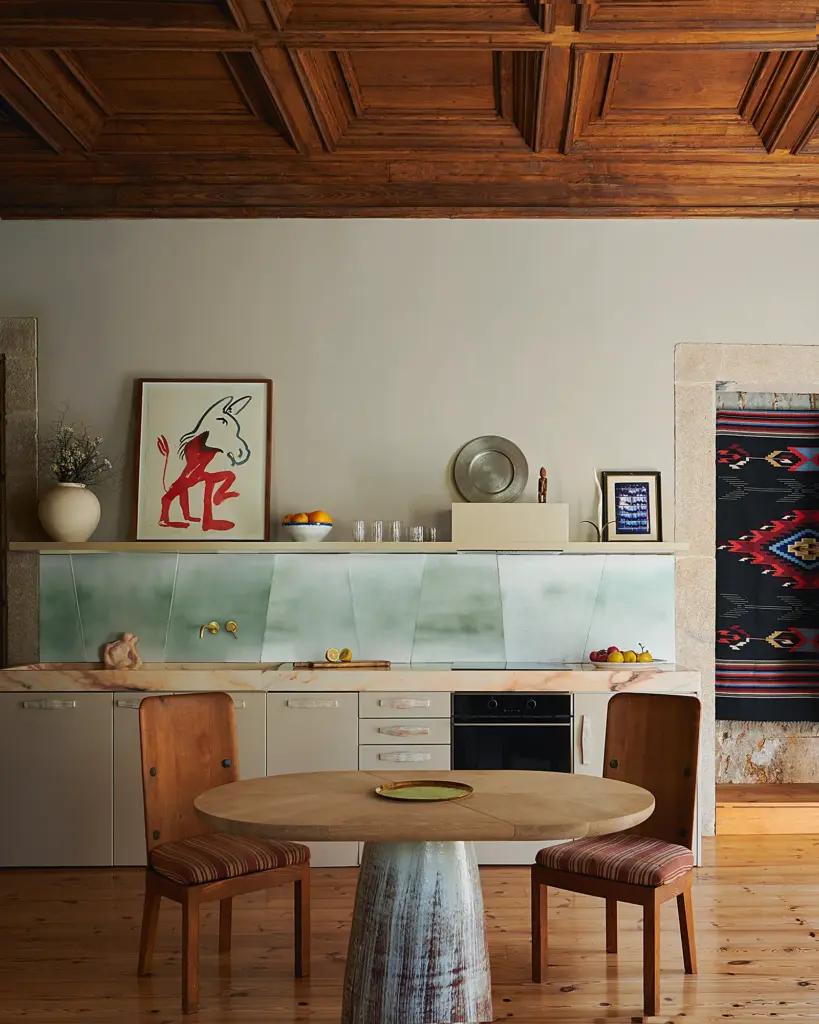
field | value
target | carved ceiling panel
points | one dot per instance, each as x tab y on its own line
425	108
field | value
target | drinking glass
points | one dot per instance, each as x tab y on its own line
416	533
358	530
377	531
432	534
396	530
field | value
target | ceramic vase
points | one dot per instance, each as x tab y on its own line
69	513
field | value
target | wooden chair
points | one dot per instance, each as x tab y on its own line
652	740
189	745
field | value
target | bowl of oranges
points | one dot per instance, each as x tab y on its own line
308	526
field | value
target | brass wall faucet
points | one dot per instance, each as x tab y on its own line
211	627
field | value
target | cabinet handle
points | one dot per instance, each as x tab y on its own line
404	730
405	755
239	704
49	705
405	702
585	738
133	704
311	702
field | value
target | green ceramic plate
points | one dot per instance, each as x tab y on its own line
428	790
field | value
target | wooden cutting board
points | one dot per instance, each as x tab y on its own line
312	665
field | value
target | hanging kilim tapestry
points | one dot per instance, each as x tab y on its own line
767	642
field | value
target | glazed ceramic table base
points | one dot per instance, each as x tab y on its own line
417	951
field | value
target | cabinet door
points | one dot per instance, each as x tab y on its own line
57	771
129	821
129	817
316	732
589	732
251	733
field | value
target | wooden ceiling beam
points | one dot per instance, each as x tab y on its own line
281	81
781	100
43	88
330	85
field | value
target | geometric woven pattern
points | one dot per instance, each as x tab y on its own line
767	553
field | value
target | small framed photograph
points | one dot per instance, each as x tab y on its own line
632	506
203	459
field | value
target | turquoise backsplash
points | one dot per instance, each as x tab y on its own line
480	608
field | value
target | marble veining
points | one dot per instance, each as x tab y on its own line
161	678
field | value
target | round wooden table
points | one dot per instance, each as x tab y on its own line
417	951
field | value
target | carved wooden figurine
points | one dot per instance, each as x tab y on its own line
542	486
122	653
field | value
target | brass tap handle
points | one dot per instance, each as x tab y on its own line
232	627
211	627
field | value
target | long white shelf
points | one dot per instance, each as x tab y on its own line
330	547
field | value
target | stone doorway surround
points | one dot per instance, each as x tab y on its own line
697	370
20	576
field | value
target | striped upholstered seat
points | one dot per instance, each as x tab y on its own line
636	860
219	855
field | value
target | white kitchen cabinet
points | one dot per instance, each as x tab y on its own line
404	757
129	823
589	732
57	768
314	732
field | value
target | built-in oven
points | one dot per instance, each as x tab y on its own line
523	731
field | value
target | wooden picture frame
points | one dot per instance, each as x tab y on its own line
632	506
203	459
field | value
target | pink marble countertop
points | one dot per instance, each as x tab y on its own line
156	678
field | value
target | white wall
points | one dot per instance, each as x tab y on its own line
391	343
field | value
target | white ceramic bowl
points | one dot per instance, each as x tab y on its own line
309	532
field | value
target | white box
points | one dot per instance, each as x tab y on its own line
492	527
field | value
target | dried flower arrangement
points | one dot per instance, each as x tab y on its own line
72	456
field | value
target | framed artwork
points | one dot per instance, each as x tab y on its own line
203	459
632	506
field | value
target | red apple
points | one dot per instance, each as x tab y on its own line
594	656
612	650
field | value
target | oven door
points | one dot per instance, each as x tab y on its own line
539	747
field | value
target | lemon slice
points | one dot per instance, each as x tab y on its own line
346	654
332	654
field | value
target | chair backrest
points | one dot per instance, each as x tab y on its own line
188	744
652	740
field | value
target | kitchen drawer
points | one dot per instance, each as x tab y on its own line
405	705
435	757
404	730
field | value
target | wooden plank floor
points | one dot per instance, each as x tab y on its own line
68	946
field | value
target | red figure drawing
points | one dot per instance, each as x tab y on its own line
217	432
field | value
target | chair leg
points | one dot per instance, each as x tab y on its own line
150	919
540	928
685	908
611	925
301	920
651	956
190	954
225	922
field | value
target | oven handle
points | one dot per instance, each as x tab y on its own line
507	725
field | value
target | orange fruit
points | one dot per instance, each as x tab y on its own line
288	518
320	517
299	517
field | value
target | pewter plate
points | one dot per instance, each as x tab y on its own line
490	469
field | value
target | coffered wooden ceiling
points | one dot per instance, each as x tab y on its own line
244	108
